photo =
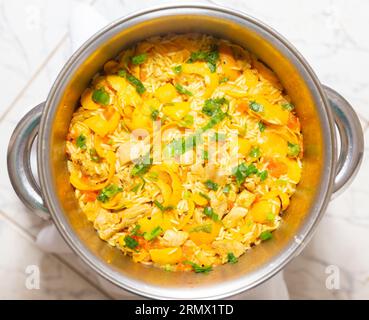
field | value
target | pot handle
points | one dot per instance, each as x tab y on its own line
351	140
19	166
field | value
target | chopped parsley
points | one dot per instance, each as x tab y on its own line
81	142
232	258
209	212
197	268
107	193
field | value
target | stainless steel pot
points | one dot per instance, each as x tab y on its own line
325	172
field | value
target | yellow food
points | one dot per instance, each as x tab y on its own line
186	158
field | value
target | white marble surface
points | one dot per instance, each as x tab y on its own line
35	42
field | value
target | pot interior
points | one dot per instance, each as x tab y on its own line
306	205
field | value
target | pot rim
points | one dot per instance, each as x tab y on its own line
291	250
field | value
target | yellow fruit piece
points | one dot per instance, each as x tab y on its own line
244	146
271	113
261	210
166	93
228	63
203	237
251	78
98	125
201	69
156	220
87	102
177	111
273	145
294	170
119	84
166	256
200	200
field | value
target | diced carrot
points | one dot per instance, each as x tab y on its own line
243	106
90	196
277	168
293	123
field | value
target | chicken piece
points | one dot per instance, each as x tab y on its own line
173	238
245	199
131	215
223	247
107	224
218	203
232	218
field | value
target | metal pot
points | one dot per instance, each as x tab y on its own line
325	171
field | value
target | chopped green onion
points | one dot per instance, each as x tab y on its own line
204	196
232	258
161	207
182	90
255	152
94	156
153	234
209	212
288	106
223	80
256	107
211	57
293	149
197	268
140	59
140	169
81	142
135	231
211	185
100	96
243	171
207	228
130	242
140	88
261	126
177	69
266	235
263	175
227	188
107	193
155	115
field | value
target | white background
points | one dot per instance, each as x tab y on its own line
35	42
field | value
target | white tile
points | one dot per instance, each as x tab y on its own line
56	280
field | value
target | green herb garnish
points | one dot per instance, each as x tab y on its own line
243	171
94	156
211	185
182	90
256	107
207	228
81	142
232	258
288	106
161	207
209	212
227	189
153	234
187	121
139	59
197	268
263	175
212	106
204	196
155	115
130	242
223	80
293	149
107	193
135	231
270	216
100	96
266	235
140	88
211	57
255	153
140	169
261	126
177	69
